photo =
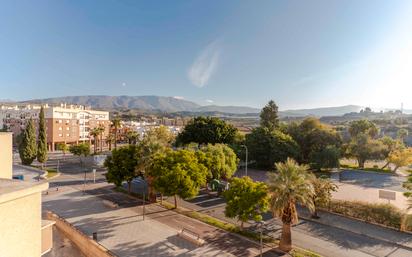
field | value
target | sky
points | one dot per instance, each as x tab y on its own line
302	54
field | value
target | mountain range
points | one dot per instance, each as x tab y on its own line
172	104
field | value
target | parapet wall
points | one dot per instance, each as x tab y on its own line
86	245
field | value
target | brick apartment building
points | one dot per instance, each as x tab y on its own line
70	124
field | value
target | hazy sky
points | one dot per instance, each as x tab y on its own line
299	53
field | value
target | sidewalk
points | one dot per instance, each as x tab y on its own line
124	231
401	239
332	235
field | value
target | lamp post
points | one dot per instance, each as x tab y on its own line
261	223
144	200
246	158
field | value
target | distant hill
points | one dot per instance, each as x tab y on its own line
172	104
160	103
320	112
227	109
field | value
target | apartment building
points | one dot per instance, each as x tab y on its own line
23	232
69	124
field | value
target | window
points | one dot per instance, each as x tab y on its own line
60	128
60	121
68	128
67	135
60	135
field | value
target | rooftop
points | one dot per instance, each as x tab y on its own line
11	189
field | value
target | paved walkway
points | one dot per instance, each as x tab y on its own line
332	235
124	232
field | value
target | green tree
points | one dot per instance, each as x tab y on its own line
121	165
178	173
42	140
95	134
110	140
269	146
80	150
323	188
100	130
63	147
27	146
364	148
116	126
402	134
220	160
400	158
205	130
408	186
290	185
156	140
246	200
391	145
132	137
269	116
363	127
313	138
326	158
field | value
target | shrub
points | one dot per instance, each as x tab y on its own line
385	214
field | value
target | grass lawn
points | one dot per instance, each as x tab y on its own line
51	173
374	166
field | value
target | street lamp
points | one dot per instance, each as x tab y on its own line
246	158
261	223
144	199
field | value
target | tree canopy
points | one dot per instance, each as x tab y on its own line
220	160
178	173
362	127
269	146
27	146
121	165
318	143
80	150
269	116
323	188
363	148
246	199
400	158
205	130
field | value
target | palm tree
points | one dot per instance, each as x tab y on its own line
132	137
116	125
95	134
109	140
101	130
291	184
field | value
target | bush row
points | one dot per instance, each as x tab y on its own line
384	214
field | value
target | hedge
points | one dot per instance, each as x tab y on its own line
384	214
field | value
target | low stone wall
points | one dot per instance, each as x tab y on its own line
86	245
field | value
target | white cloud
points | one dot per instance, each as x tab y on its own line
209	101
178	97
204	65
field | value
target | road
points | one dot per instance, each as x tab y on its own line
338	237
324	239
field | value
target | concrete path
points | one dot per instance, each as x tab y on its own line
124	232
337	236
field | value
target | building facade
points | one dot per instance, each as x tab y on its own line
69	124
23	232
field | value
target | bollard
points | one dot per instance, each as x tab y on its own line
95	236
